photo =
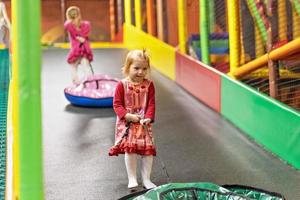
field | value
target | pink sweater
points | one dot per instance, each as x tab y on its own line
79	50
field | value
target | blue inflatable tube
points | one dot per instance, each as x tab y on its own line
95	91
89	102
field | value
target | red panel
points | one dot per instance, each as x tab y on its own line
198	80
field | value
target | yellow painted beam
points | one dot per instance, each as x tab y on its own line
296	23
234	34
93	45
15	104
282	21
264	73
182	32
137	12
127	5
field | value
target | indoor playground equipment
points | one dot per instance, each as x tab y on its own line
263	41
269	49
211	45
263	46
218	49
4	82
95	91
207	191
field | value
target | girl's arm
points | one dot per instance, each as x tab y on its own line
67	26
85	30
118	102
150	113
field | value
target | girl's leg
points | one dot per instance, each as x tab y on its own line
146	172
74	68
131	163
87	68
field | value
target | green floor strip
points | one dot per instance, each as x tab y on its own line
4	83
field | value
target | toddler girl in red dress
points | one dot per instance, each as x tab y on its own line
134	104
80	52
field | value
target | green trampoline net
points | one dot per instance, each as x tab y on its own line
4	84
203	191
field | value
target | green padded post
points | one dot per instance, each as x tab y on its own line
28	54
204	32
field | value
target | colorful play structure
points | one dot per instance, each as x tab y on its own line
238	42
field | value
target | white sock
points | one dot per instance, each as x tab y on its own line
75	78
86	68
131	163
146	172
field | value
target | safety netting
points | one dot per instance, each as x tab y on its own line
269	40
265	38
4	84
203	191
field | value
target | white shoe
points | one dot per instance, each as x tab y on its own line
146	172
132	184
148	184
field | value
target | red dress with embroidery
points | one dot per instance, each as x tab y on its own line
79	50
134	99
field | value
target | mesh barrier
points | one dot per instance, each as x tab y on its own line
267	27
4	82
266	38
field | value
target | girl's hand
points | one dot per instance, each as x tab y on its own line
145	121
132	117
80	39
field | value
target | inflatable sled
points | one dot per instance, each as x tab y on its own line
95	91
205	191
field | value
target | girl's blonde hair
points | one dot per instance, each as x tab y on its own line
72	13
134	55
